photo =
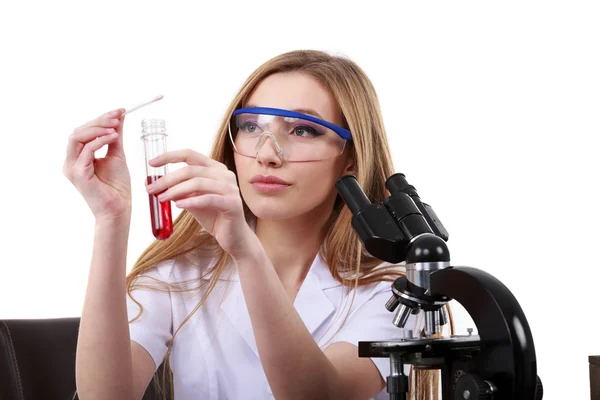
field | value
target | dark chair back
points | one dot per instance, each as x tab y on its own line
37	359
594	377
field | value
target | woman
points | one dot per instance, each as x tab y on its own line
263	289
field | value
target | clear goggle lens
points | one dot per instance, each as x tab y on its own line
293	138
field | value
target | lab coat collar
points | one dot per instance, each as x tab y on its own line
312	303
319	269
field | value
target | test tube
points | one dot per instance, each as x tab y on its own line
154	136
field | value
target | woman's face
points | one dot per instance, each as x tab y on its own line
310	185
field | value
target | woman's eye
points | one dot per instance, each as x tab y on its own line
249	127
305	131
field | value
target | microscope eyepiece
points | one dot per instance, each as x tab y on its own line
397	184
352	194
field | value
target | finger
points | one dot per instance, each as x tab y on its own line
187	156
189	172
80	137
86	158
108	120
209	201
116	148
197	186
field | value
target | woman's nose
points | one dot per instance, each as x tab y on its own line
269	151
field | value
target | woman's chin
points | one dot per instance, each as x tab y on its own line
274	210
271	214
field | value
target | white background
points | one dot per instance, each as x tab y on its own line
491	111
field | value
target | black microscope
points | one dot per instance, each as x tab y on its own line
499	363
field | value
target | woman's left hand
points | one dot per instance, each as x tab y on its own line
208	190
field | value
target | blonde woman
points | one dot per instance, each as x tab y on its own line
263	290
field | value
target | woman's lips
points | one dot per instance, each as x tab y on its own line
264	187
268	184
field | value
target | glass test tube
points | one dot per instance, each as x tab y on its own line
154	136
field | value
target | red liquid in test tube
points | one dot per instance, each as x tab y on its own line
154	136
160	214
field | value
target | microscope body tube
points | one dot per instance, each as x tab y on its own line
372	222
397	184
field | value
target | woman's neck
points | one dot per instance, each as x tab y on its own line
292	245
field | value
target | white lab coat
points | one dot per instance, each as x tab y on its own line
214	355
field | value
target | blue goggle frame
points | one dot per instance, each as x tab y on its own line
343	133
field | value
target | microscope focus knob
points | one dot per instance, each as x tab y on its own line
472	387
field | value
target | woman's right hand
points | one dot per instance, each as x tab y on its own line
104	183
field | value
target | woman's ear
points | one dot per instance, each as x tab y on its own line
349	166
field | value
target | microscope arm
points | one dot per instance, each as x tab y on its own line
507	351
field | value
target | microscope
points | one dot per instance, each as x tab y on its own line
497	364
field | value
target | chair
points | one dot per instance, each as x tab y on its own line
594	377
37	359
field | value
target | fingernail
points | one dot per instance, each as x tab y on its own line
114	113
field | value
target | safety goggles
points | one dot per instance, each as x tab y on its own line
294	136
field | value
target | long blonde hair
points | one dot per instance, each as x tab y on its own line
341	248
